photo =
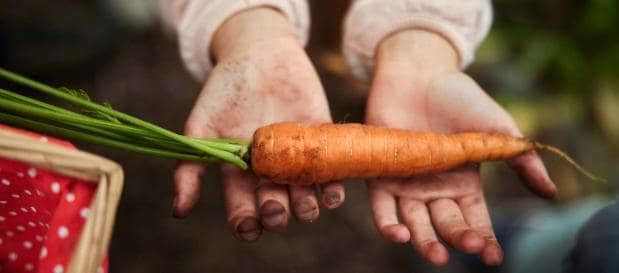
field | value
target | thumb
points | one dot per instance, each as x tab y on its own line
529	166
187	178
187	175
531	169
484	114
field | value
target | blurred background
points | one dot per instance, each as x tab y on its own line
552	64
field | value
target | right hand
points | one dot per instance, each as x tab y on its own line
262	75
417	86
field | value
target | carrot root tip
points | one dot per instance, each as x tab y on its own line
556	151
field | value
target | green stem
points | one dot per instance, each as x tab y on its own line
226	156
75	135
35	103
143	141
95	125
76	116
231	145
26	100
61	117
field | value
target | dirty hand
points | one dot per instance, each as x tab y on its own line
262	75
417	86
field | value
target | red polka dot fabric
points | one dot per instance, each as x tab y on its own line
41	215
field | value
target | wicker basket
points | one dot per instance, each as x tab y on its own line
108	175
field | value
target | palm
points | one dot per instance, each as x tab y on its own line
271	81
456	185
240	96
449	205
449	110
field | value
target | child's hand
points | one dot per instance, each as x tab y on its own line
418	86
262	76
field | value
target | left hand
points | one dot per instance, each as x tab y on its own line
418	86
262	75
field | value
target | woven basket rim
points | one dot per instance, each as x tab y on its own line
108	175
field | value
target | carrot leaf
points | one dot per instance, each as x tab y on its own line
102	124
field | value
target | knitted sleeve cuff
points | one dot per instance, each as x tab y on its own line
463	23
196	22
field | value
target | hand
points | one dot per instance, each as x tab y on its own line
262	75
417	86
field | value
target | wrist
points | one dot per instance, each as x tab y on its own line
249	28
422	52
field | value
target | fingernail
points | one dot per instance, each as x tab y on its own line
306	209
471	242
332	199
272	215
248	229
175	212
493	260
396	233
493	255
552	190
437	254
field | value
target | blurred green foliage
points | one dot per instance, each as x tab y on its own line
553	65
569	45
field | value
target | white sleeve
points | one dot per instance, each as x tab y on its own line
196	21
464	23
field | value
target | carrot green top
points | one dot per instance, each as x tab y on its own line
101	124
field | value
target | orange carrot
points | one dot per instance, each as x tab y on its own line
307	154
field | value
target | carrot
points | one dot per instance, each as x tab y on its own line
307	154
282	152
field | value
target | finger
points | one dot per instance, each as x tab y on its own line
186	187
475	213
333	194
187	174
274	206
416	217
529	166
304	203
447	218
531	169
239	187
385	215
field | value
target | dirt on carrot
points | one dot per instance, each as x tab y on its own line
309	154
